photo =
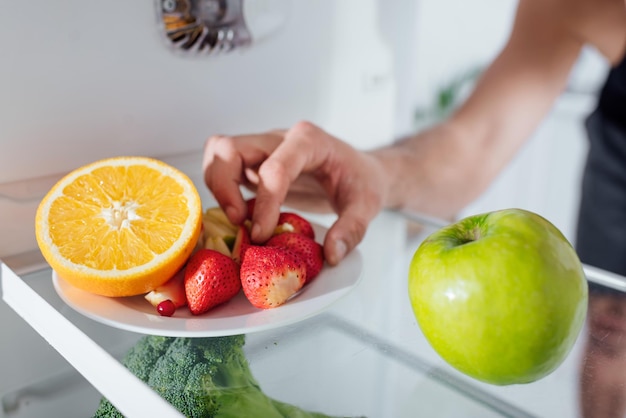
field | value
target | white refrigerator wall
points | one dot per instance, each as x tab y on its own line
83	80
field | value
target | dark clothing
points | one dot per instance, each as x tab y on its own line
612	102
601	234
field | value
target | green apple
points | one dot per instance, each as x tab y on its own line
501	296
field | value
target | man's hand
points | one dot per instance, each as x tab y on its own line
304	167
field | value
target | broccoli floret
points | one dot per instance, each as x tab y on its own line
142	357
202	378
140	360
174	378
107	410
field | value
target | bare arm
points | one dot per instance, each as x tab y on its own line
441	170
436	172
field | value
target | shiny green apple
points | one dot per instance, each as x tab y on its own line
501	296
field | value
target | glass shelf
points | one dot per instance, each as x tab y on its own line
326	363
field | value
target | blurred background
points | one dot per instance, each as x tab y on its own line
453	41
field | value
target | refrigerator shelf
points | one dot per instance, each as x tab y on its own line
98	366
350	371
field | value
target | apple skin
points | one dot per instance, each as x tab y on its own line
500	296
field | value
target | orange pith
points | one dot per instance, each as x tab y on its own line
120	226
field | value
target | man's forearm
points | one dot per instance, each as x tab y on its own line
441	170
436	172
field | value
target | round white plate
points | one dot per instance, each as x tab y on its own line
236	316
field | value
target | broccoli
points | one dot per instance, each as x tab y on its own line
202	378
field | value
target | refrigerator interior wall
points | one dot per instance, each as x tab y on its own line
82	81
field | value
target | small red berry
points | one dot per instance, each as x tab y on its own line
166	308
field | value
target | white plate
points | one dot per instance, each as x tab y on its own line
236	316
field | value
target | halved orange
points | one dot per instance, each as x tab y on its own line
119	226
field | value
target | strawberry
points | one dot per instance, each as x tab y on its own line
242	241
309	250
292	222
170	295
211	278
271	275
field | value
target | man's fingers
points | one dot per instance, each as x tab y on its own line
270	163
272	187
303	149
357	205
223	167
344	235
224	162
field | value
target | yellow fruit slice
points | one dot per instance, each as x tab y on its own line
120	226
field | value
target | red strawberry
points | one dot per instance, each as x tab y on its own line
310	251
170	295
292	222
271	275
242	241
211	278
